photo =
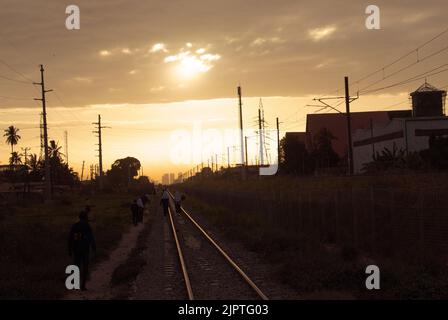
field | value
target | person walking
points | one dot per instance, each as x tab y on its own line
135	212
178	202
80	241
165	201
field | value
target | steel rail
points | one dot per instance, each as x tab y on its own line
181	259
226	256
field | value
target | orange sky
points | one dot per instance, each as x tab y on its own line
164	75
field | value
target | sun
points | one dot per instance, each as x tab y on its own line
190	66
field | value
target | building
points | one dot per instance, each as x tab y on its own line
166	179
336	123
408	133
299	136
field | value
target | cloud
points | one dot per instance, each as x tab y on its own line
158	47
105	53
318	34
262	41
191	63
82	79
157	89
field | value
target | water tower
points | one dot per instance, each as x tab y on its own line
428	101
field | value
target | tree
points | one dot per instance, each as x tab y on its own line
387	159
323	152
294	158
54	151
61	173
123	171
36	167
15	159
436	156
12	137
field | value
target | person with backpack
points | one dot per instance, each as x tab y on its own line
80	241
165	201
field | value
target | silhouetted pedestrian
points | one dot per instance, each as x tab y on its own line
178	202
80	241
165	201
135	212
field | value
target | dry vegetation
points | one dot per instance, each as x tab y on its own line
321	233
33	242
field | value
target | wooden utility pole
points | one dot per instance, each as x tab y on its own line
66	145
82	170
371	136
47	190
100	150
228	157
349	127
245	144
243	161
278	142
260	133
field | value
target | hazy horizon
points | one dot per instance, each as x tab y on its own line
154	68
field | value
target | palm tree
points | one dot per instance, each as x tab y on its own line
15	159
12	137
33	162
54	151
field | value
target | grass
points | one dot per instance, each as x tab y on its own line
290	221
126	273
33	242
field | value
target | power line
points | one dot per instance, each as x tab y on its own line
28	80
405	68
415	50
14	98
412	79
14	80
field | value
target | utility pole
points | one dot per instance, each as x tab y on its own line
371	136
245	144
45	129
82	170
260	133
42	143
216	157
25	150
100	150
66	145
349	127
228	157
278	142
240	102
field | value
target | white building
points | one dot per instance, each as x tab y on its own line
408	134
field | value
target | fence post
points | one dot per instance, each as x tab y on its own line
421	224
323	225
372	211
355	218
337	208
309	214
391	239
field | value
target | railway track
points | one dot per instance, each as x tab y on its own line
236	271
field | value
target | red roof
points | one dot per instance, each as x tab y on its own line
336	123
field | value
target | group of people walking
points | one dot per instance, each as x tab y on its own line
81	239
137	209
